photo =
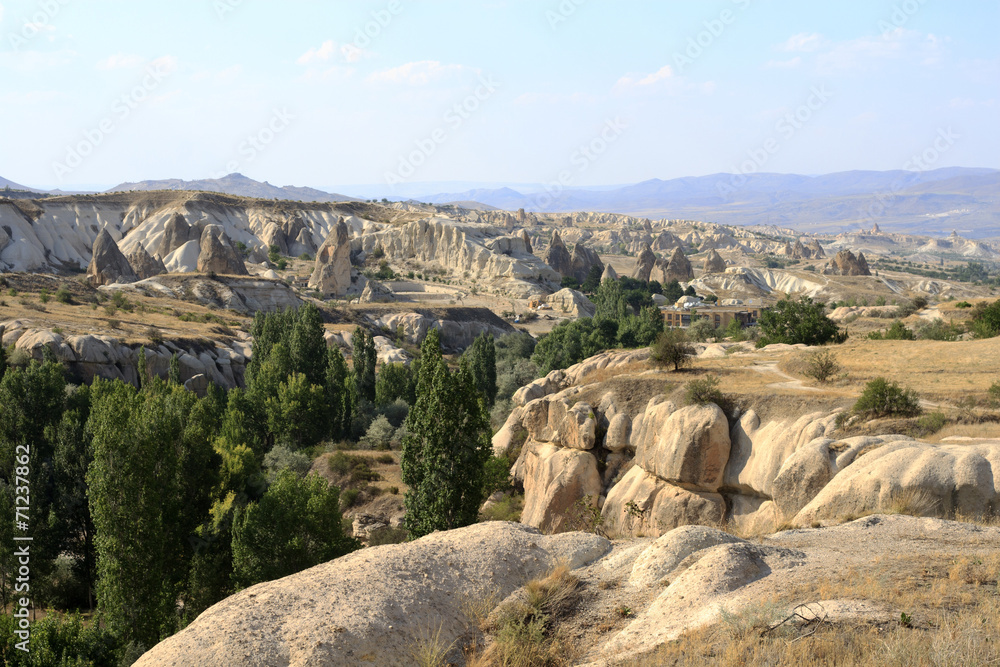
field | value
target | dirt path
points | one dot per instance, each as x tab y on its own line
792	383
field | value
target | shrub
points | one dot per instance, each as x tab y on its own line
43	296
993	394
63	295
822	365
705	390
154	335
963	304
932	422
794	322
387	535
897	331
938	329
379	434
986	320
701	330
281	458
671	349
496	475
882	398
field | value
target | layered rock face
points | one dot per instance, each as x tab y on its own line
332	272
653	468
455	334
89	357
108	264
571	302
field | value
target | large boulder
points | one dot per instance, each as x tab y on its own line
609	273
583	260
571	302
332	272
555	480
643	504
108	265
217	254
644	264
372	606
914	477
692	448
176	233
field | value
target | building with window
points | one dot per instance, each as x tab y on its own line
690	309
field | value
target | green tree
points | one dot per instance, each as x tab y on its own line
140	366
882	398
446	446
364	360
307	344
340	391
145	505
593	279
174	374
986	320
610	301
483	363
296	525
297	415
395	381
794	322
672	349
672	291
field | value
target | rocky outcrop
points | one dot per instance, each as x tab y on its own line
456	335
376	292
714	263
609	273
143	264
558	257
570	302
667	241
678	268
816	249
555	481
799	251
526	238
372	606
243	295
644	264
332	272
583	261
176	233
847	264
108	264
217	254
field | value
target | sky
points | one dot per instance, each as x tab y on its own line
336	93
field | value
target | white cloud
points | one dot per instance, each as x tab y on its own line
865	53
120	61
419	73
633	80
791	63
314	55
803	42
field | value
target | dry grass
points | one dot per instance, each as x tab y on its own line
951	607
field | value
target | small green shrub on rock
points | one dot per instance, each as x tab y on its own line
882	398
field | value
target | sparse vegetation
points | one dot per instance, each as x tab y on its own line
672	349
822	365
882	398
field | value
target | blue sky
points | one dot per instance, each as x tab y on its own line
334	93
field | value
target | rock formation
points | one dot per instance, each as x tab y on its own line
176	233
217	254
644	264
558	257
678	268
583	260
667	241
846	264
527	239
144	265
332	272
799	251
816	249
609	273
714	263
571	302
108	264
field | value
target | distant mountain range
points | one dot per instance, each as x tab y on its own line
920	202
236	184
4	183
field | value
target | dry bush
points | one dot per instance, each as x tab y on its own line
429	649
913	502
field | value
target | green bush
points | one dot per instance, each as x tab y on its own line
963	304
882	398
822	365
993	394
932	423
897	331
63	295
794	322
938	329
705	390
986	320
